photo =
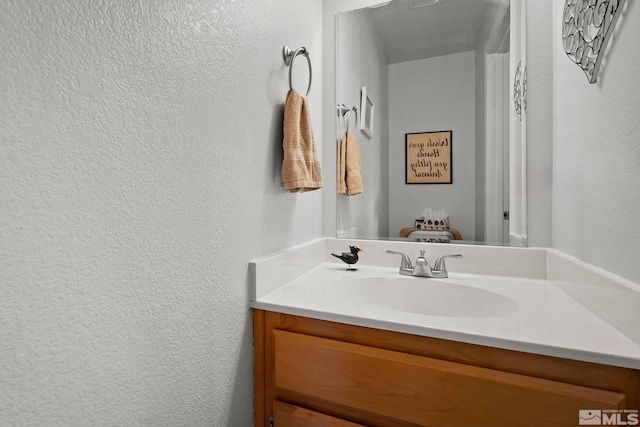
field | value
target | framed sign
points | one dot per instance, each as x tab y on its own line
428	158
367	107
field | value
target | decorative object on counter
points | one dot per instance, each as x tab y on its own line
433	236
524	90
432	224
517	90
445	237
300	166
587	27
349	178
428	157
367	108
433	219
350	258
432	227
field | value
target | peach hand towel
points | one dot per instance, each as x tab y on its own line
300	166
349	179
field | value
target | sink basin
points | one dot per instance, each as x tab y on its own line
433	297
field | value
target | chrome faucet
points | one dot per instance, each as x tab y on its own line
422	267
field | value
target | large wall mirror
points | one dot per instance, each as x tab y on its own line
430	66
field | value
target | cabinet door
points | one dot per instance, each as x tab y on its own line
286	415
425	391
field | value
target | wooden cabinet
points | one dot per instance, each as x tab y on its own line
310	372
286	415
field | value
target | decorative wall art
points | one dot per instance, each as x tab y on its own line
366	112
518	90
428	158
524	90
587	26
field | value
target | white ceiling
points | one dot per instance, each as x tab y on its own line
452	26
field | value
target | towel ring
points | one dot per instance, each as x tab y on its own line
289	55
344	110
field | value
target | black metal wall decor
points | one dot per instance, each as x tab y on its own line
524	90
518	90
587	26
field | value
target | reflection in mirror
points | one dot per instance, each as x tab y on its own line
428	66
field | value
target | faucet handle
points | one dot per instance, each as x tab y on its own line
406	262
421	260
440	265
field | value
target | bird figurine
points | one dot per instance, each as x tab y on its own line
349	257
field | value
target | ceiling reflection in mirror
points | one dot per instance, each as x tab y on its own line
435	68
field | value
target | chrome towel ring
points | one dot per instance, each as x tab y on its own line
289	55
344	110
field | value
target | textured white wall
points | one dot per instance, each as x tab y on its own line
539	117
421	101
141	144
596	152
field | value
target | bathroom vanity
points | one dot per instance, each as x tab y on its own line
329	372
328	354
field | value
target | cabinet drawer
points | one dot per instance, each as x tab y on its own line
286	415
423	390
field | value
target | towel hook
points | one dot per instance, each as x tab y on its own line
344	110
289	55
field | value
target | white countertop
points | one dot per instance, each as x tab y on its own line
548	320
